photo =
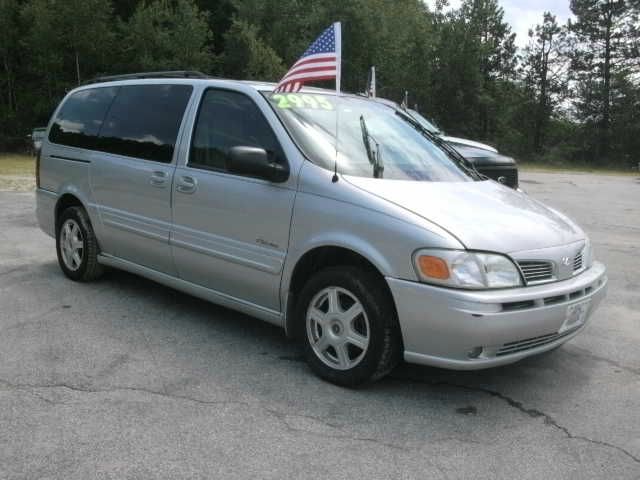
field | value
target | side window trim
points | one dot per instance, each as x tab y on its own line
201	167
106	113
172	159
118	89
60	108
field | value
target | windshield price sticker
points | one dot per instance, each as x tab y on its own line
295	100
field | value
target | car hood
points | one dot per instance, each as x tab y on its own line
468	143
481	157
482	215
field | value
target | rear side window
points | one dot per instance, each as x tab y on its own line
80	117
228	119
143	121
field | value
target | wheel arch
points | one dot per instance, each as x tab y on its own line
66	200
314	260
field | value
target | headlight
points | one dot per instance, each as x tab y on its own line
587	254
463	269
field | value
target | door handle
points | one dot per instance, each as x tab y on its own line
158	178
186	184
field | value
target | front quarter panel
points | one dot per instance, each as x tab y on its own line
338	214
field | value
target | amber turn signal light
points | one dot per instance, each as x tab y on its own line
433	267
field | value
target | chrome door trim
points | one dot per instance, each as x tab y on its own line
253	256
134	224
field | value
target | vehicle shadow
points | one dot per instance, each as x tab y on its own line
270	343
125	335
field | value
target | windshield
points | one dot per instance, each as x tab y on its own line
372	140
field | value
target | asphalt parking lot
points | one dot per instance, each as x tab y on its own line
124	378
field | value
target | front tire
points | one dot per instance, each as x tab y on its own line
348	326
77	246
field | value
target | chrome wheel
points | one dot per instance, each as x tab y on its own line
338	328
71	244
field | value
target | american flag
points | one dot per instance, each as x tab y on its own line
321	61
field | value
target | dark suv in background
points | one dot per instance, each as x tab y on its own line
485	158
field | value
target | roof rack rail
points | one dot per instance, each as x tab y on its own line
134	76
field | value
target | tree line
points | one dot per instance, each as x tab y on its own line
572	95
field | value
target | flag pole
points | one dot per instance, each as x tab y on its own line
338	32
337	29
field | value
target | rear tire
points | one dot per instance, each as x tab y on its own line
77	246
348	327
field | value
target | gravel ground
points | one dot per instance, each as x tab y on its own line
17	183
124	378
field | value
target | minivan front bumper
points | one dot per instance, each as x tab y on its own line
467	330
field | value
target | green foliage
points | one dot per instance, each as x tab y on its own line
62	42
247	57
9	56
168	35
566	97
603	59
544	73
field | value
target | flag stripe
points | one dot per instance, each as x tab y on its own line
310	66
311	76
327	69
321	57
321	61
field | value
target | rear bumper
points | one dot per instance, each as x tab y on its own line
468	330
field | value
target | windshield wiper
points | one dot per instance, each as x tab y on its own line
374	156
465	164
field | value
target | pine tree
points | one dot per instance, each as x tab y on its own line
606	35
168	35
544	69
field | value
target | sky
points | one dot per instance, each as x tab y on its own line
525	14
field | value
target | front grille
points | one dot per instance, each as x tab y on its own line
536	271
577	262
529	343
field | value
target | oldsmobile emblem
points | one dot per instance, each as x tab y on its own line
566	261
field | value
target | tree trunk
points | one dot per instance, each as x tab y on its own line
606	93
541	117
78	67
10	94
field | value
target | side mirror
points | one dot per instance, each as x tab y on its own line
255	162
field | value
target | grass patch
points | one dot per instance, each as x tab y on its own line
17	172
547	168
17	164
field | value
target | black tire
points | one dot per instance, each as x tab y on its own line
89	269
384	349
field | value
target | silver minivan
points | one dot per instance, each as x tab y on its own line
333	216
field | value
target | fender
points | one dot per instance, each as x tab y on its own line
68	188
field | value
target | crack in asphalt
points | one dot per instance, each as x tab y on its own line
284	419
20	268
82	389
581	352
531	412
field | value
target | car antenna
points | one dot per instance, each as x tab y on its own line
335	177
